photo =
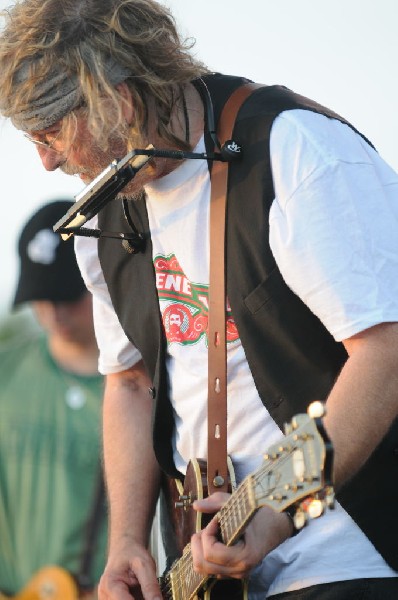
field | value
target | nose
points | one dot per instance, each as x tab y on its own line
61	310
50	158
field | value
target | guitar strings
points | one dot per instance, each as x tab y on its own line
230	507
182	573
184	565
185	575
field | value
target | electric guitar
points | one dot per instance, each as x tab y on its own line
297	473
51	583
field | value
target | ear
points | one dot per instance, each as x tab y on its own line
127	103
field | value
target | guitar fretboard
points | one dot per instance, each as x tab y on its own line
234	516
182	582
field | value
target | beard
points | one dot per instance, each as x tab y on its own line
93	160
89	160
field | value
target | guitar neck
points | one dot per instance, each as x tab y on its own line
182	582
237	513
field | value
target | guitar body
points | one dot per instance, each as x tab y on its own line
187	521
50	583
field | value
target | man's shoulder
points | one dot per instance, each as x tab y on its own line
16	347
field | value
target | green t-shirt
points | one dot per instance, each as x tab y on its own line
49	464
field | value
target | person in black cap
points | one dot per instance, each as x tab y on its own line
52	505
48	269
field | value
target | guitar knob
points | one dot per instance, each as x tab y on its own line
185	502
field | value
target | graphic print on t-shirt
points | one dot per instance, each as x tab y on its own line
184	304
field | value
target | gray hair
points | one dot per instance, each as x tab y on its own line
56	55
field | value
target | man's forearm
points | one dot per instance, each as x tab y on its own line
364	400
131	470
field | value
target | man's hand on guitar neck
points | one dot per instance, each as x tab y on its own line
266	531
130	574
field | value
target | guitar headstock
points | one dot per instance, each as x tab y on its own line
297	472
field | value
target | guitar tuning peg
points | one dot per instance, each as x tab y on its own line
316	410
185	501
315	508
300	518
287	428
329	497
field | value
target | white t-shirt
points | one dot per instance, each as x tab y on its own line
333	232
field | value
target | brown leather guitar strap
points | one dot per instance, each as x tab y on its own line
217	465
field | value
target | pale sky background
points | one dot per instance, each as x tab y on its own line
342	54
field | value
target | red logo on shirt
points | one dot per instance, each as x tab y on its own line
184	305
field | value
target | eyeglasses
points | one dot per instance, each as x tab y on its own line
44	143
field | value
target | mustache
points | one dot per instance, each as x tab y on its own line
70	169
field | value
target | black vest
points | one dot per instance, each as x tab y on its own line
293	358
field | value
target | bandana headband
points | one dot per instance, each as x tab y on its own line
57	95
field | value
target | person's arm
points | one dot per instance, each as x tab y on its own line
364	400
132	479
359	411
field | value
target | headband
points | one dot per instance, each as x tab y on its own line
56	95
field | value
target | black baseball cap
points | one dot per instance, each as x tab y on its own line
48	267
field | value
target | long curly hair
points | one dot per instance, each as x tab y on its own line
77	37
